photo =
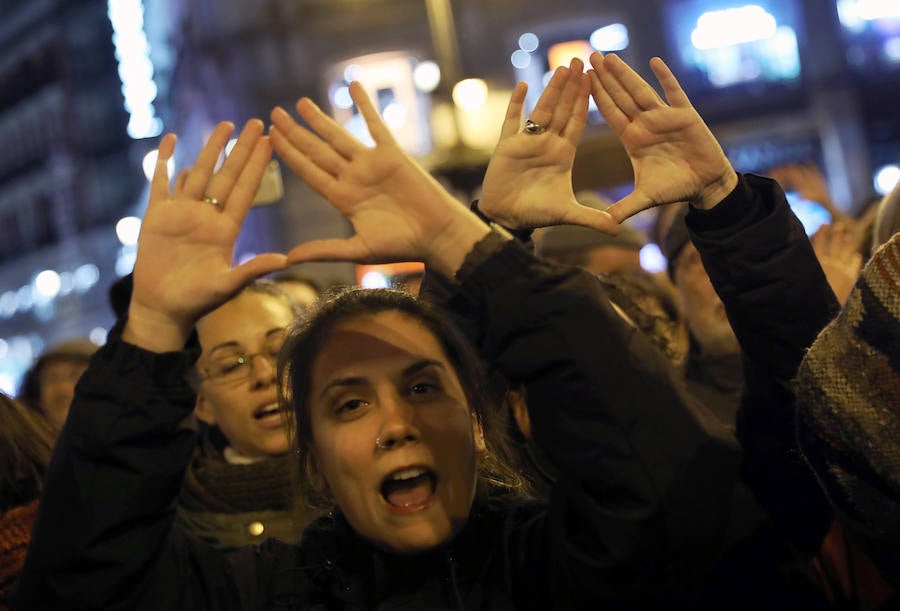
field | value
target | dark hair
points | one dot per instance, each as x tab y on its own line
341	304
26	442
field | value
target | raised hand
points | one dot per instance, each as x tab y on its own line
183	268
528	183
674	155
399	212
836	248
809	183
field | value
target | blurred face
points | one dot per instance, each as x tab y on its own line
57	387
703	310
394	440
238	393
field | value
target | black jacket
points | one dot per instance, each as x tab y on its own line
637	513
778	300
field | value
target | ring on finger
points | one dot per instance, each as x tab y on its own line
534	128
209	199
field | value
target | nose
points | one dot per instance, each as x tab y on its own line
262	371
398	427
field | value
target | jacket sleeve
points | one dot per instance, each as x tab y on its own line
103	537
777	298
645	474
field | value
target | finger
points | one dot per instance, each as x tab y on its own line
247	184
592	218
222	183
675	95
327	129
377	129
259	265
616	91
159	186
318	179
543	110
611	113
630	205
578	119
198	180
564	106
297	136
180	181
512	122
636	87
350	249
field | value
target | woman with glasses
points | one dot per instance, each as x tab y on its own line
237	490
390	426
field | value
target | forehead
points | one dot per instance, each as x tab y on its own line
246	318
367	345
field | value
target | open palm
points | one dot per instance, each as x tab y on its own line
674	155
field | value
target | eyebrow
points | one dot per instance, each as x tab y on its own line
234	344
359	380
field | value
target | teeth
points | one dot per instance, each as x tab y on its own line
408	474
268	409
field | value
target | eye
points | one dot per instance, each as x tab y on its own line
424	389
226	366
350	406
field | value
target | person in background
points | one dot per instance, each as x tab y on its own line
26	441
302	290
238	489
49	385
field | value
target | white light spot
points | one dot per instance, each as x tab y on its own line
872	10
886	178
470	94
733	26
892	48
98	335
394	115
353	72
341	98
7	384
230	145
520	59
128	229
4	348
85	277
613	37
652	259
149	164
529	42
21	348
125	261
374	280
25	296
9	303
65	283
47	284
427	76
132	51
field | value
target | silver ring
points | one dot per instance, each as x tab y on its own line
209	199
534	128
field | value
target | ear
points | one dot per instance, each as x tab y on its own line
516	401
315	477
478	434
203	410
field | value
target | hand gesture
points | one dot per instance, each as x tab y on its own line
183	268
399	212
674	155
809	183
836	248
528	183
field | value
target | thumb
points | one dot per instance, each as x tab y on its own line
350	249
585	216
630	205
256	267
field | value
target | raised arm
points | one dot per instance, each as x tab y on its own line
103	537
633	504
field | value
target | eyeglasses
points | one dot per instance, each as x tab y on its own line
232	365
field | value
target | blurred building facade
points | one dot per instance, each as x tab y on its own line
817	85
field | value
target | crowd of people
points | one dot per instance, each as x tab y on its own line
540	425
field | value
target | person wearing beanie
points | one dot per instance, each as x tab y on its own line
49	385
593	250
848	411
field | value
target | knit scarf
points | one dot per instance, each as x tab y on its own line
213	485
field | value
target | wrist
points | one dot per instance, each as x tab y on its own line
449	248
717	191
154	331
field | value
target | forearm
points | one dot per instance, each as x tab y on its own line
115	473
777	299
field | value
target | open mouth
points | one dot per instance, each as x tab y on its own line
409	489
267	411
